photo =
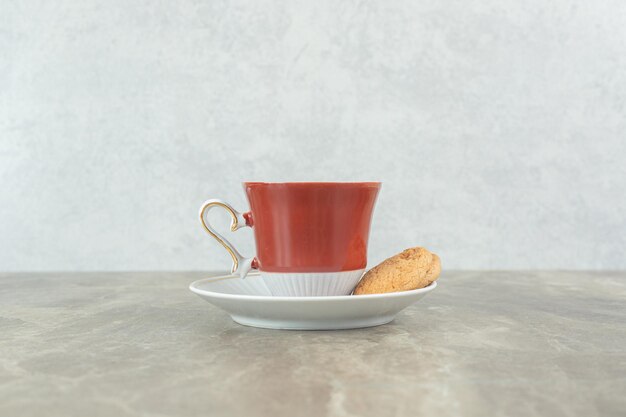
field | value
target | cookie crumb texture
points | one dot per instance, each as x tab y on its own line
412	269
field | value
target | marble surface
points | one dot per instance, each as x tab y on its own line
140	344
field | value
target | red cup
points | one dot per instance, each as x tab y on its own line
311	237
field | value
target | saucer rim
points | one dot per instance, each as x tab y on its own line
194	287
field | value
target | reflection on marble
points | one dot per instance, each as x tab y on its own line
495	343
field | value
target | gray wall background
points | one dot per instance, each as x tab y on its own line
497	127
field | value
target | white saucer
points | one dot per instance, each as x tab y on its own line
248	302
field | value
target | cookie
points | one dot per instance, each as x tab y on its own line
413	268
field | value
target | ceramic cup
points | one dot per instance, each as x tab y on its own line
311	237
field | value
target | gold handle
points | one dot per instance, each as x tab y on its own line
241	265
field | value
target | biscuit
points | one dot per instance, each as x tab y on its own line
413	268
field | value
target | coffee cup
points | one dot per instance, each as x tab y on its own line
311	237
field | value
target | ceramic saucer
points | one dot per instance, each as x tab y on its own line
249	302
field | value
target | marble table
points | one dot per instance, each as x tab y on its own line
483	343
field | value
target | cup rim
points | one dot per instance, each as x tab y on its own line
362	183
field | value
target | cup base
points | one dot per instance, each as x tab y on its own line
311	284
